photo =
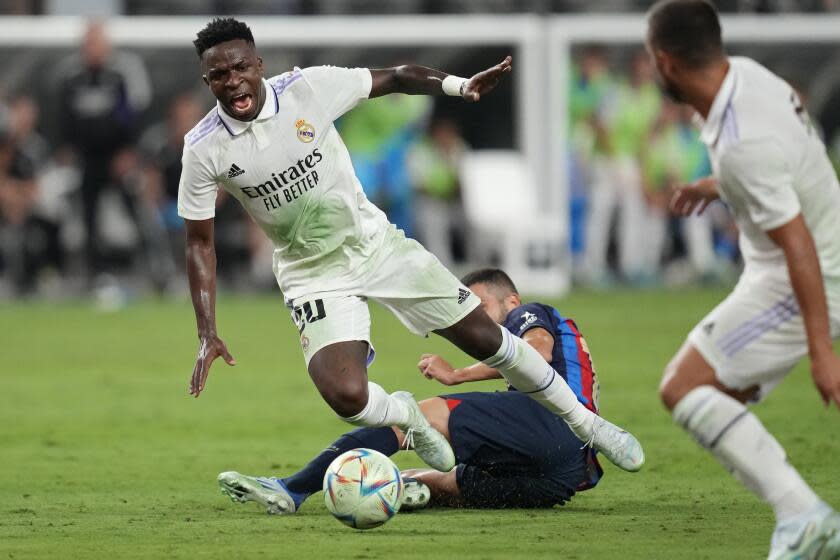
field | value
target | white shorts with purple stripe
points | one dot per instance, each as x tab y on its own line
756	335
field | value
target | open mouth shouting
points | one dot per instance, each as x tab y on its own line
242	105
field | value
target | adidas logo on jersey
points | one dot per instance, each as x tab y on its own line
235	171
463	294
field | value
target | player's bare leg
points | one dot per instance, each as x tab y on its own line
436	413
423	486
480	337
339	372
717	418
688	370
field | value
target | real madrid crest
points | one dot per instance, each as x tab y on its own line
305	131
304	342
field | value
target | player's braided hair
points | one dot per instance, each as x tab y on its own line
491	276
688	29
220	30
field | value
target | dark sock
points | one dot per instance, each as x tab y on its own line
310	478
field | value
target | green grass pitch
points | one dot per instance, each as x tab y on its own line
104	455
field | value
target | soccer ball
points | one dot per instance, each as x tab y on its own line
363	488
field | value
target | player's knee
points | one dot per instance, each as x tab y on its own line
347	399
670	390
667	394
685	372
678	380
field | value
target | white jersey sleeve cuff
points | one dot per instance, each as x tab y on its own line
196	215
780	219
367	82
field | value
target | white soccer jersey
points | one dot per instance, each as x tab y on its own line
771	165
291	171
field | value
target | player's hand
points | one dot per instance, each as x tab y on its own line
826	373
485	82
435	367
209	348
694	197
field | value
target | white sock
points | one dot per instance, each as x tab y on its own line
745	448
381	410
526	370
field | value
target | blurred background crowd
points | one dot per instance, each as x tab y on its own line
91	140
357	7
631	147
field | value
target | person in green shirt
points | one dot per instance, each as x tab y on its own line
675	156
378	134
589	83
626	114
433	164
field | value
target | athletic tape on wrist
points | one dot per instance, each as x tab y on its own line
452	85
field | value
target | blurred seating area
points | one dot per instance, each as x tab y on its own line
90	165
630	148
360	7
90	159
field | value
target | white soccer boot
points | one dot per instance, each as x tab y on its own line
812	536
428	443
617	445
416	495
268	492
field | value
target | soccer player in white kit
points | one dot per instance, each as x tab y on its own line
272	145
771	170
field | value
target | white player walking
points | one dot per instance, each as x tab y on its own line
772	171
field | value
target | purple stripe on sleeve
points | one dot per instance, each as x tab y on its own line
208	122
197	135
280	85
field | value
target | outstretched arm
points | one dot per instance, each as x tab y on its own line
435	367
201	270
419	80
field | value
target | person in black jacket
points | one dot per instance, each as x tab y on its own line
102	95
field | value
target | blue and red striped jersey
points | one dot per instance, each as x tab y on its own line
570	353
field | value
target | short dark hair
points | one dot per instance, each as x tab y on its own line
688	29
492	276
221	30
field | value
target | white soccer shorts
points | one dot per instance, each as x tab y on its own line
756	335
407	279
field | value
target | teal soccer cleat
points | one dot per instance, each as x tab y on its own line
814	538
270	493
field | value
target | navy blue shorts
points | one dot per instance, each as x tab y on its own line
512	452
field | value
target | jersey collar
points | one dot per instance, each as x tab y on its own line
270	108
710	128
